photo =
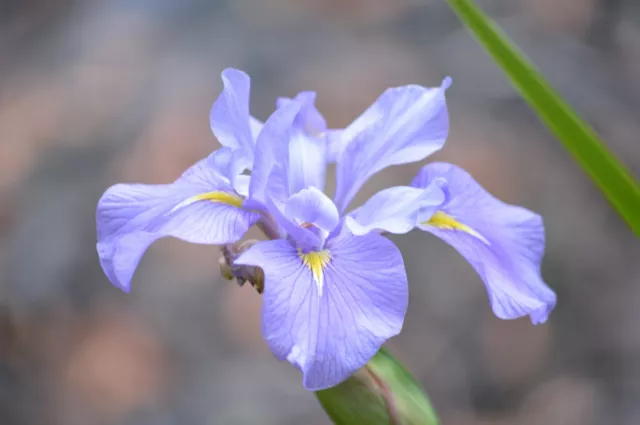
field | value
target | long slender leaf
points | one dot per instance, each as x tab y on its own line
610	175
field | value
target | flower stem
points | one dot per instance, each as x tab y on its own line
268	227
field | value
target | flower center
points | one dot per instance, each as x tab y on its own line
316	262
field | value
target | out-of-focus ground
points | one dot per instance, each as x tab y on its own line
98	92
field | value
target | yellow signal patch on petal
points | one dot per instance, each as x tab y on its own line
444	221
216	196
221	197
316	262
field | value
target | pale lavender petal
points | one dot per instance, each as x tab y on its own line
229	117
256	127
310	120
307	145
307	162
238	163
334	144
197	208
395	210
304	238
504	243
212	171
119	261
313	207
272	151
331	334
241	185
405	124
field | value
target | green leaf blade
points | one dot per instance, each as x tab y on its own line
615	181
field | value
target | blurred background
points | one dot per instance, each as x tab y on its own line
98	92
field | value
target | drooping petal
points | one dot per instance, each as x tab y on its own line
332	332
405	124
504	243
396	209
229	117
198	208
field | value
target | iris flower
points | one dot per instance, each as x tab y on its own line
335	288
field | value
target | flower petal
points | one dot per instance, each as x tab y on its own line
313	207
272	152
303	238
229	117
307	144
198	208
396	209
307	162
405	124
310	119
256	127
334	144
504	243
331	334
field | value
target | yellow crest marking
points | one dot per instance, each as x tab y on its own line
217	196
444	221
316	261
221	197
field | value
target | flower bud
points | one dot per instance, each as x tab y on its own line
242	274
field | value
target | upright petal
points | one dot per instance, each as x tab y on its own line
307	162
229	117
504	243
307	145
332	332
272	152
199	207
405	124
310	119
396	209
256	127
334	144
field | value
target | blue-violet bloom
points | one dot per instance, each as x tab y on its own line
335	288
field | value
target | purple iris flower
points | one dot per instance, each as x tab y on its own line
335	289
